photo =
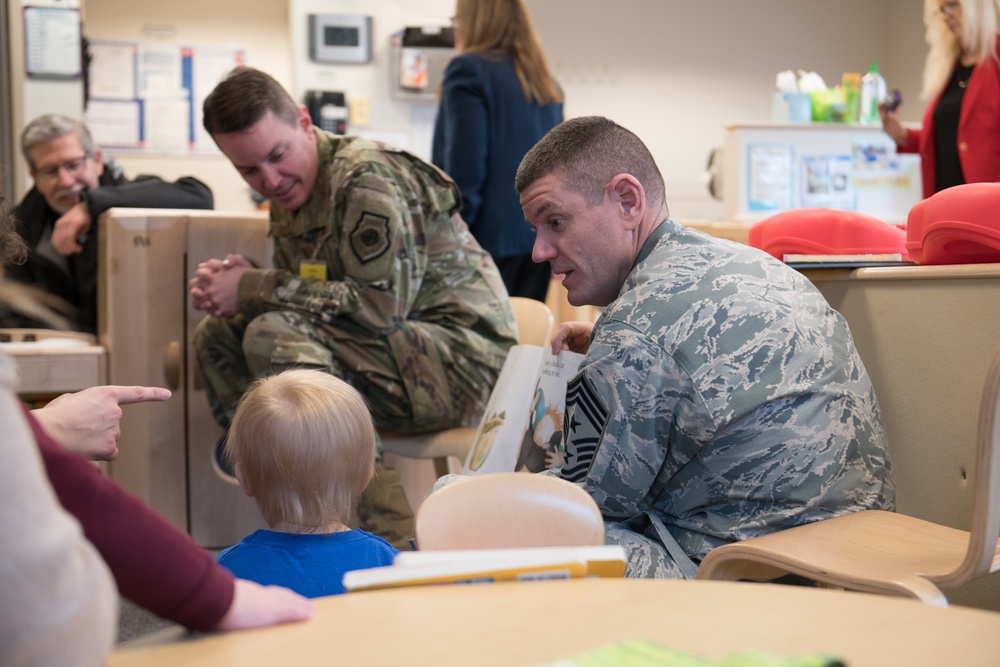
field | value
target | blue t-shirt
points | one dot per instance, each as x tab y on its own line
311	565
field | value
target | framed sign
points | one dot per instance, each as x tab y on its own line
52	43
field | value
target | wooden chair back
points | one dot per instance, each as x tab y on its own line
983	555
535	321
887	552
508	510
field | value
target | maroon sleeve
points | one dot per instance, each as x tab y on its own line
155	565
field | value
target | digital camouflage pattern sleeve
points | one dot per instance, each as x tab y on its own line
723	393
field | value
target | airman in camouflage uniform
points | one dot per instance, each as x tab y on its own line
376	278
412	311
721	397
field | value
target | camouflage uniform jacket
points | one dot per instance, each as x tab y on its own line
401	266
721	392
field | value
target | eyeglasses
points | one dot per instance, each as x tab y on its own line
73	166
949	7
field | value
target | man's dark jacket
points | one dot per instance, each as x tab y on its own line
78	287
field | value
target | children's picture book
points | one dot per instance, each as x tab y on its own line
522	427
477	571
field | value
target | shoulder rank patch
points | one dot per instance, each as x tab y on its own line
370	238
586	419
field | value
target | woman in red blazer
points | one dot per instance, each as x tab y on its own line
960	138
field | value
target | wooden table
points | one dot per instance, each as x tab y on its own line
54	362
535	623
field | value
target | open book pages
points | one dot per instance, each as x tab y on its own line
602	561
471	571
522	426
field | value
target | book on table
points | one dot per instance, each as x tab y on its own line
415	568
840	259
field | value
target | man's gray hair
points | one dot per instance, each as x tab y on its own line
52	126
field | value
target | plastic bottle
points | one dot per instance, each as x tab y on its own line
851	84
872	92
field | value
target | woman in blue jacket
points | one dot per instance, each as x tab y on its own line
498	99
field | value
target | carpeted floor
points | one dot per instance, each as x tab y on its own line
135	622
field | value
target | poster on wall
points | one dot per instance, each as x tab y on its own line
826	182
770	175
148	97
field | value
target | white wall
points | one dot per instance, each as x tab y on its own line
261	26
674	71
407	124
677	72
907	52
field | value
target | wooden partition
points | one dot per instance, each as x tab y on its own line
145	323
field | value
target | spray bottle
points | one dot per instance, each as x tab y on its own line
872	92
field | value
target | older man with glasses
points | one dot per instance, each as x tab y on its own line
73	185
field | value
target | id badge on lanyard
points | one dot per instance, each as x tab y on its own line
311	269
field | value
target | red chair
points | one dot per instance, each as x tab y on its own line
827	231
959	225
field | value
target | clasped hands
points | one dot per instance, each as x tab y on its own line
215	286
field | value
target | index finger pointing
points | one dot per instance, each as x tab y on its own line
126	395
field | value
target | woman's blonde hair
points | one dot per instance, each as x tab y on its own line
305	443
491	26
980	21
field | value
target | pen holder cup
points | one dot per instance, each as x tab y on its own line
791	107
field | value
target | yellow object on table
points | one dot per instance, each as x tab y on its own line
643	653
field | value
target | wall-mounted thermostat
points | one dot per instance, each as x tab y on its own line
340	38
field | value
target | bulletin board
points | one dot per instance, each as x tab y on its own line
147	97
